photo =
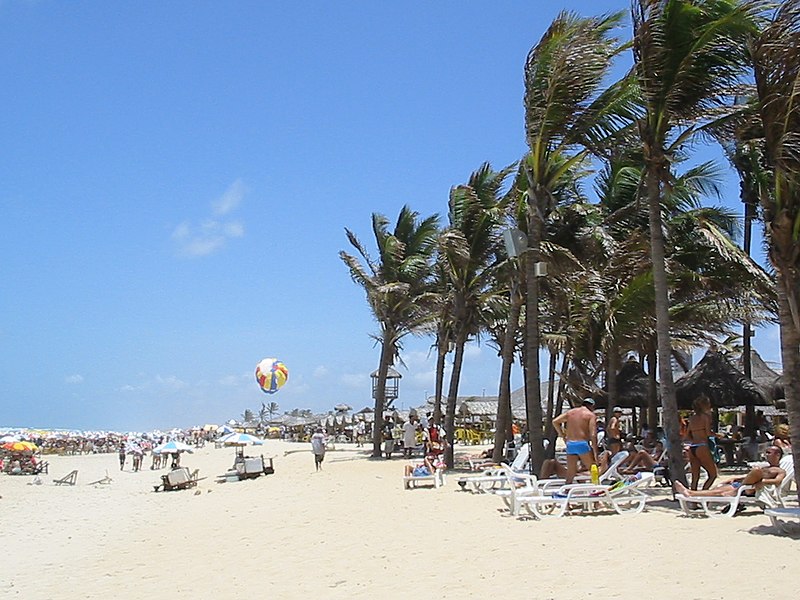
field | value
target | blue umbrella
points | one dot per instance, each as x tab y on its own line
240	439
172	447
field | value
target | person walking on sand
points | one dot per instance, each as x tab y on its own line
318	447
578	426
121	456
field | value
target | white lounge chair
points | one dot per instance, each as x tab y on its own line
437	478
779	516
625	497
727	506
777	496
495	476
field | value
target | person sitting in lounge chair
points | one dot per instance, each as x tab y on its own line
426	469
645	460
772	474
552	467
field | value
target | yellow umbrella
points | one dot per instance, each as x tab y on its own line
20	446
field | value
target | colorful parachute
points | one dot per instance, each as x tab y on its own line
271	374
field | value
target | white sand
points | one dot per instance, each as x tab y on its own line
351	531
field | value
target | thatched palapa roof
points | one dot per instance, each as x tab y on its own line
716	377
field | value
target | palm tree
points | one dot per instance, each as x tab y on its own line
776	57
688	55
566	113
396	286
248	416
469	251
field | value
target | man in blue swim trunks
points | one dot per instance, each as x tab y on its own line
578	426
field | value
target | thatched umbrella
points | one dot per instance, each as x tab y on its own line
763	375
633	387
723	384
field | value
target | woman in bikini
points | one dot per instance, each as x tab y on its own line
698	430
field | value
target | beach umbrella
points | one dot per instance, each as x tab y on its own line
172	447
724	385
8	438
19	446
240	439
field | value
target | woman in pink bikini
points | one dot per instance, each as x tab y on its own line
698	430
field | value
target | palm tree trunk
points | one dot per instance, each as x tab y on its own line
652	395
452	396
533	397
503	427
551	392
387	355
669	403
790	357
562	383
441	355
612	367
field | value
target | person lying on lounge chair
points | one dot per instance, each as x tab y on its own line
772	474
426	469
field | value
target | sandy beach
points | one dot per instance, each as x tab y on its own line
351	531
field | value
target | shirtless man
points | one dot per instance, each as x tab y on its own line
613	439
578	426
758	477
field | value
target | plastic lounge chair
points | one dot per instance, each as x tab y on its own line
778	516
104	481
436	478
777	496
495	476
178	479
768	495
721	506
625	497
69	479
518	486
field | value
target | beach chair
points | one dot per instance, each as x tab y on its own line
104	481
625	497
778	495
721	506
518	486
779	517
69	479
178	479
496	476
436	478
769	496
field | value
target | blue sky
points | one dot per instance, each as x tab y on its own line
177	177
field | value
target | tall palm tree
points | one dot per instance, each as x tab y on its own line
688	56
567	112
469	251
396	286
776	57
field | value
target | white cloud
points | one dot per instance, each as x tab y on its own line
354	380
472	351
320	371
211	235
171	382
230	381
74	379
230	199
